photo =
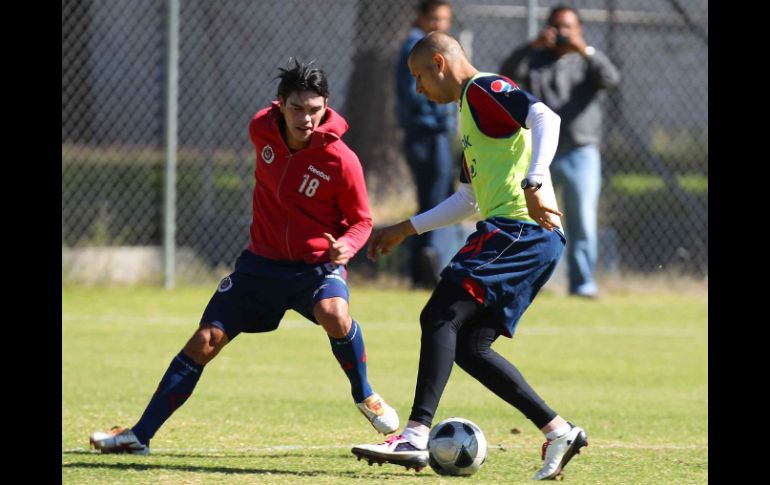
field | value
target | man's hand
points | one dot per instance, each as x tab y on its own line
546	39
339	251
550	38
385	239
539	211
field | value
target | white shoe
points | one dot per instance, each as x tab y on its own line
383	417
557	453
396	450
118	440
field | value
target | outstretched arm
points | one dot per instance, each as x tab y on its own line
453	209
385	239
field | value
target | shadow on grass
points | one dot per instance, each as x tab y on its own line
229	470
218	454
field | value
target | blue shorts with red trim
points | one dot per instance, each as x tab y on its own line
255	297
504	264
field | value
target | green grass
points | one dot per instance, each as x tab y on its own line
275	408
640	184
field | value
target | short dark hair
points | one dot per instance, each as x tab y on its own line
302	77
562	8
425	6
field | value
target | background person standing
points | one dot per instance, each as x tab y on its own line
428	132
570	77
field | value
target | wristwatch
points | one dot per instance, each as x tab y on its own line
528	183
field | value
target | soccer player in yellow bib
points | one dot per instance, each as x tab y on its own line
509	138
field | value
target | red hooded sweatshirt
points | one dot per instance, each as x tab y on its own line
299	196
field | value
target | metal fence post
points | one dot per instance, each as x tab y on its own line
531	19
172	85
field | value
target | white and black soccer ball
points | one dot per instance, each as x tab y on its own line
456	446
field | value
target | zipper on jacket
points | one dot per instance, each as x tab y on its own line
278	192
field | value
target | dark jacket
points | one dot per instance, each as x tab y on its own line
414	111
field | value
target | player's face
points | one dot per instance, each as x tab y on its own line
303	112
437	18
429	79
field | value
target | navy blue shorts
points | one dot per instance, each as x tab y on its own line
503	265
256	295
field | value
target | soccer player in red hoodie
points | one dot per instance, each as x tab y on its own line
310	216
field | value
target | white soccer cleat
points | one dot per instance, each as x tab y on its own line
118	440
396	450
557	453
383	417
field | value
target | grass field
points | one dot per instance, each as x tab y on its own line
276	409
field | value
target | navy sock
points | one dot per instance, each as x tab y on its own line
175	387
351	355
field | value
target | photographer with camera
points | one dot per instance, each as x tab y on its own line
570	77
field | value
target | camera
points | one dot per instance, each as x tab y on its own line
561	40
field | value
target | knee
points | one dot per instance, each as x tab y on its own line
430	317
205	344
427	317
463	354
333	315
468	353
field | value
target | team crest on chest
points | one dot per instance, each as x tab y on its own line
267	154
225	284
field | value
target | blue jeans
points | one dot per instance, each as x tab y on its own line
429	156
577	172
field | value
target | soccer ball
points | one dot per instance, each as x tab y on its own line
456	446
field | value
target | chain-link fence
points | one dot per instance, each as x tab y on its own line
655	148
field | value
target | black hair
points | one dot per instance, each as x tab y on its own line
563	8
425	6
302	77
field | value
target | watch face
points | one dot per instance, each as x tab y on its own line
525	184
